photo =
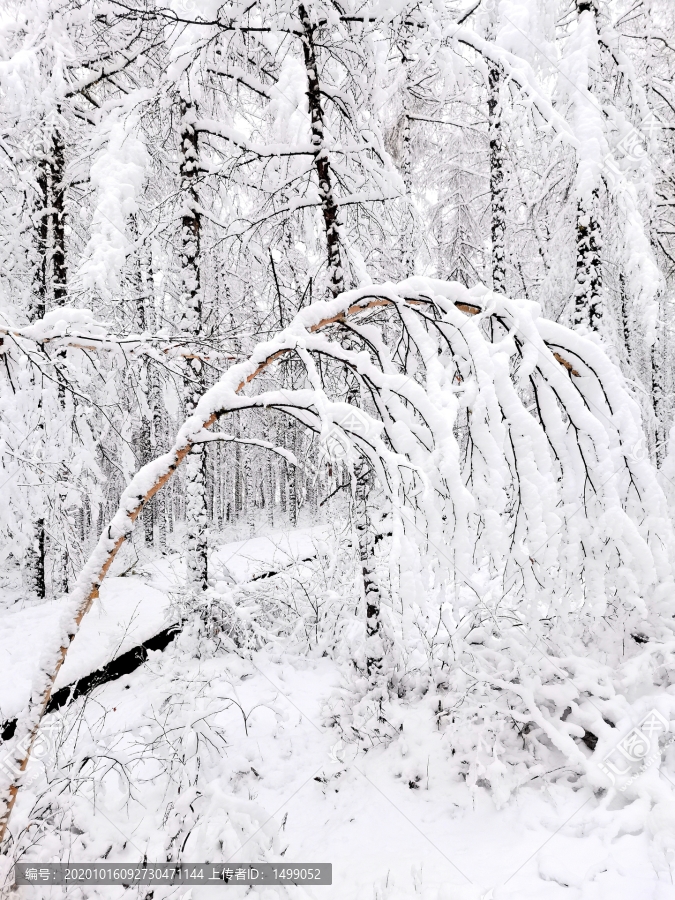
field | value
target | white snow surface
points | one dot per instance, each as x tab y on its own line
131	609
320	802
277	783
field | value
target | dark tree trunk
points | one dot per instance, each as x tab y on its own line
497	189
58	215
321	162
40	277
49	288
588	288
406	166
35	561
191	322
35	557
625	315
659	396
366	541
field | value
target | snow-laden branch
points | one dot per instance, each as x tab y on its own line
236	137
511	448
207	437
75	328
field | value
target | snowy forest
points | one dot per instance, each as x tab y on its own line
337	445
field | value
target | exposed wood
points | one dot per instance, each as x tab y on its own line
570	368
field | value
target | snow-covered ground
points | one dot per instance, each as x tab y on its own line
284	770
131	609
230	756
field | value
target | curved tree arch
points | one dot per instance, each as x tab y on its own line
506	440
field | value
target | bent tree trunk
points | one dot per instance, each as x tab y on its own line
142	488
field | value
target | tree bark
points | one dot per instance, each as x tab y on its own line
191	305
291	480
371	590
329	206
269	492
406	166
497	189
57	205
158	437
236	484
659	396
39	299
35	561
144	320
588	287
49	287
250	492
625	316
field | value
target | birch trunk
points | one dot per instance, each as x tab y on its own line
58	292
588	280
269	493
329	206
57	179
158	436
191	304
335	268
371	591
588	287
497	188
625	316
250	492
406	167
659	395
292	487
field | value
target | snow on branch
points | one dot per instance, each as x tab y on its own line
206	437
503	441
76	328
